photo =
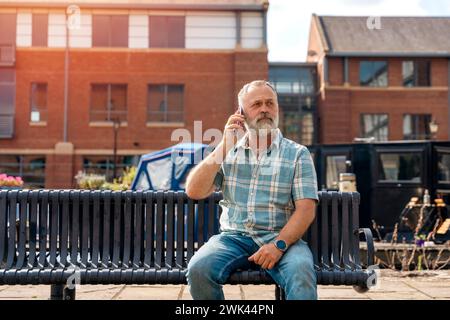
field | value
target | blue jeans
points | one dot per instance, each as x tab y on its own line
213	263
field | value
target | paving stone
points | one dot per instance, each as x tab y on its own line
149	292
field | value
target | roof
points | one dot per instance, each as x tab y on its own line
397	36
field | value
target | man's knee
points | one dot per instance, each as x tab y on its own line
200	268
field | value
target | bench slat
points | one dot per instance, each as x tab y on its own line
22	236
324	232
3	223
335	227
95	242
117	196
160	224
12	228
34	198
149	230
201	222
107	235
128	216
170	254
354	229
43	227
211	215
190	229
180	229
54	217
85	228
345	235
74	226
138	231
65	198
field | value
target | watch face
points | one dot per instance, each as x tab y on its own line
281	245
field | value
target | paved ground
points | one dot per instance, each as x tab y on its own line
392	285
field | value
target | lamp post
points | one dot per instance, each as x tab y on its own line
434	127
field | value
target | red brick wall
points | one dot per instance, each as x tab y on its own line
340	107
211	80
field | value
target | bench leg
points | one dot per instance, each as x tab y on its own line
61	292
279	293
56	291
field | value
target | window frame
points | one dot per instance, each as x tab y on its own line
372	78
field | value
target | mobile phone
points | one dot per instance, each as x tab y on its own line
241	112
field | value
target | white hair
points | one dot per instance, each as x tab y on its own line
255	83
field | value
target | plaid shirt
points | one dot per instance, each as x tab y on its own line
259	194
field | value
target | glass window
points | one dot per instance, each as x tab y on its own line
416	126
31	168
373	73
167	31
39	30
443	167
416	73
110	31
400	167
7	101
160	173
104	165
165	103
108	102
375	125
38	102
293	79
8	27
335	165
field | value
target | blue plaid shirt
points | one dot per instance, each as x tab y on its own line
259	194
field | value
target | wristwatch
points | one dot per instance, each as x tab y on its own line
281	245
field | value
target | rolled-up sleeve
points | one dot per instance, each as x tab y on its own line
305	177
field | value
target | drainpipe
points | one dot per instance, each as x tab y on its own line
66	80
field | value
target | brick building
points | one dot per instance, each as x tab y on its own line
70	75
386	78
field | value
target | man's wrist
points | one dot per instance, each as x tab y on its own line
280	244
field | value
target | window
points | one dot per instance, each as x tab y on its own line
400	167
373	73
335	165
416	73
375	125
8	27
31	168
443	167
165	103
7	101
108	102
110	31
40	30
38	102
104	165
416	126
167	31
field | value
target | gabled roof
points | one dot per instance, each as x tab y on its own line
398	36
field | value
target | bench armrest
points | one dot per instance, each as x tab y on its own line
370	246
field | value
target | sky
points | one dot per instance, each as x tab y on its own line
288	21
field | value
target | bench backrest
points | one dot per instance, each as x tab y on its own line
144	229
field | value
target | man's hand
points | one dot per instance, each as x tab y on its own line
267	256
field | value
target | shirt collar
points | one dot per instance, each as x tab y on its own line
276	140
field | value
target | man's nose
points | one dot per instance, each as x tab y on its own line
264	108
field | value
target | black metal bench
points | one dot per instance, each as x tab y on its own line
146	237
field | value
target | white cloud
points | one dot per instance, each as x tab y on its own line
289	20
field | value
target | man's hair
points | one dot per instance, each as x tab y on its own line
255	83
